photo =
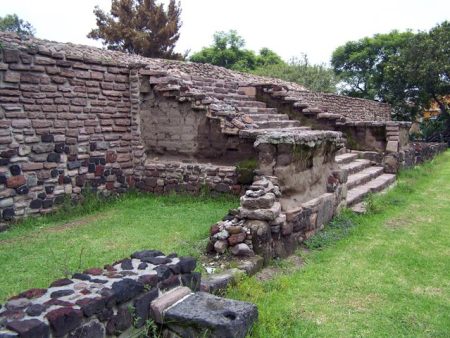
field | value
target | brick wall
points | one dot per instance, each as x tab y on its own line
65	123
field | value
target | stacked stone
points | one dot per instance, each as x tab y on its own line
259	208
65	124
98	302
163	177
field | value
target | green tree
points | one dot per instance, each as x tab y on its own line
228	51
422	69
139	27
361	64
299	70
12	23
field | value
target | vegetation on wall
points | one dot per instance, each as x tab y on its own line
139	27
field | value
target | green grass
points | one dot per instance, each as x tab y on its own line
384	274
39	250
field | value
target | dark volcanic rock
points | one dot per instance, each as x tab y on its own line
61	293
126	264
81	276
187	264
126	289
163	272
61	282
93	329
91	306
120	322
35	310
142	306
31	328
146	253
64	320
191	280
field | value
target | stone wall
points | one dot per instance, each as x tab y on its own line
408	157
113	301
354	109
297	191
167	176
66	122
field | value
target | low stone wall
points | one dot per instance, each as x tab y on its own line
114	301
415	153
167	176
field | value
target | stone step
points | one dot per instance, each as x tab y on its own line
278	124
243	103
228	97
356	165
345	158
271	117
358	193
257	110
363	176
253	133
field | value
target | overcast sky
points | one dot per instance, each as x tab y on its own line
289	27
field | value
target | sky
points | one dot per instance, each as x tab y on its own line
289	27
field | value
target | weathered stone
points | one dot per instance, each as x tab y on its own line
142	307
221	246
30	328
18	303
92	329
61	282
234	229
236	238
261	214
35	310
242	249
191	280
91	306
187	264
126	289
119	322
64	320
204	314
61	293
265	201
392	146
15	181
159	305
126	264
146	253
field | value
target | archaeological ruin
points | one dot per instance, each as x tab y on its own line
76	117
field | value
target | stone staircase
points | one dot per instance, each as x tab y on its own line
363	177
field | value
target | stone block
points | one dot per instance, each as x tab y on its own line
392	146
261	214
161	304
30	328
203	314
263	202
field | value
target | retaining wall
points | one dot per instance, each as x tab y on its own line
113	301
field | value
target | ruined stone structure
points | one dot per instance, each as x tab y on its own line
75	117
121	298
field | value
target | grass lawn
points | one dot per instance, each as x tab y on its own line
40	250
384	274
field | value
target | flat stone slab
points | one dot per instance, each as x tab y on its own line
206	315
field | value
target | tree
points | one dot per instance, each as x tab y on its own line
139	27
420	74
299	70
228	51
12	23
360	64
